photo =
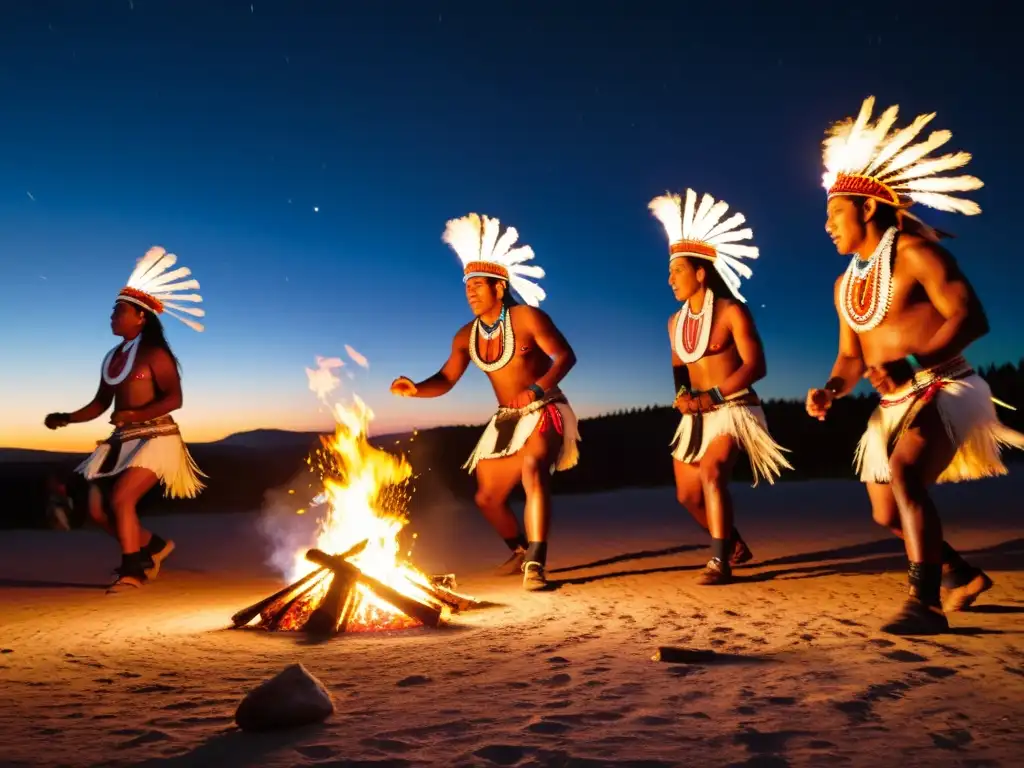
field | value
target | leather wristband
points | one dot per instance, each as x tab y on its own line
537	390
716	396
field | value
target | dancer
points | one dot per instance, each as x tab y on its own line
534	432
907	313
716	358
140	377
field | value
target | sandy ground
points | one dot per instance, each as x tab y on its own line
556	679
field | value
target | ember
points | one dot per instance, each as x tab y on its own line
368	586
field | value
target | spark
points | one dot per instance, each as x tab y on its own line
131	5
251	8
357	358
316	209
30	196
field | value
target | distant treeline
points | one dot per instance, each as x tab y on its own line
628	448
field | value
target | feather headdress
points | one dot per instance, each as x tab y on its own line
484	254
868	159
699	231
152	287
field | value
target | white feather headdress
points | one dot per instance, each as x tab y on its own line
152	287
483	254
868	159
699	231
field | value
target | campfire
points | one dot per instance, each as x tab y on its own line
354	578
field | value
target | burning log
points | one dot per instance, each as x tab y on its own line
451	598
427	615
333	613
246	615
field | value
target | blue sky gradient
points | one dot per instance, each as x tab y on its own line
303	163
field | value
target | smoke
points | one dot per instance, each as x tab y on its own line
358	359
322	381
287	521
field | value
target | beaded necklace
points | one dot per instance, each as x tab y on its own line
866	288
132	349
508	343
693	331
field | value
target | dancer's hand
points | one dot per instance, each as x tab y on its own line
523	399
818	403
889	377
403	387
690	404
119	418
57	420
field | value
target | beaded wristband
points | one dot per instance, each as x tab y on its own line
537	390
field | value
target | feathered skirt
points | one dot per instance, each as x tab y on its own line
741	420
964	403
509	429
155	445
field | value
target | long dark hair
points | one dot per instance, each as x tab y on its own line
507	299
153	336
712	279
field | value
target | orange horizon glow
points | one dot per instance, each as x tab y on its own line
82	438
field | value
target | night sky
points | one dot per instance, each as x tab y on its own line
302	158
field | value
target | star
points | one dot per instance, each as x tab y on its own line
316	209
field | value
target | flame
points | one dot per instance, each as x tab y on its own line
366	496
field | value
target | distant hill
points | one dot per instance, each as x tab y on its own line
255	439
30	456
629	448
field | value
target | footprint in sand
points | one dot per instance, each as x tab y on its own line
558	660
548	727
906	656
501	754
154	688
406	682
952	739
558	680
317	751
559	704
654	720
937	672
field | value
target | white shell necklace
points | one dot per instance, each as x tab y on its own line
508	346
866	288
132	348
693	331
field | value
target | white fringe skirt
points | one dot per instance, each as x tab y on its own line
155	445
509	429
746	424
964	403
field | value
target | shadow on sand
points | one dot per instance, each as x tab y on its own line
872	557
40	584
642	555
232	746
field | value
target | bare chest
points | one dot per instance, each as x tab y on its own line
889	310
